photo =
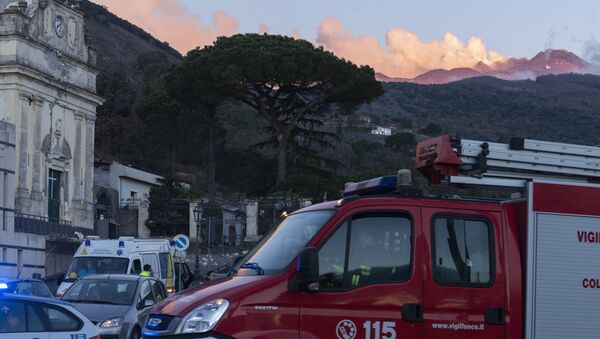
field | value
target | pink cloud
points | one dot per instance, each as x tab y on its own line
404	54
169	20
295	33
263	28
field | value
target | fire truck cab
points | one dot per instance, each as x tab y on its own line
387	262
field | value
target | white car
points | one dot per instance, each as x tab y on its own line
24	317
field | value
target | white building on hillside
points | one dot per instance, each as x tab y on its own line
48	93
381	131
132	184
121	194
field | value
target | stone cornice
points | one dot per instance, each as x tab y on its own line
69	7
44	79
79	115
45	47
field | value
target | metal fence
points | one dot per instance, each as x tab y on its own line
223	228
130	204
172	219
271	210
223	224
53	228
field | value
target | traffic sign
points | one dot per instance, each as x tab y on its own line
182	242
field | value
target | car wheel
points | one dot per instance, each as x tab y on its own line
135	334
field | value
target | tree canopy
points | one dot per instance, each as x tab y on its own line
289	82
200	88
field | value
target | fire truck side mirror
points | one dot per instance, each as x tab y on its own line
307	271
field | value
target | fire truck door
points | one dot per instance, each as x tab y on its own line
464	277
371	283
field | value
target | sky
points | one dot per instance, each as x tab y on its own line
401	38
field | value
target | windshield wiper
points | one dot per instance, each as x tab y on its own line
253	266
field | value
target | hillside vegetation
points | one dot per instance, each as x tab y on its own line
562	108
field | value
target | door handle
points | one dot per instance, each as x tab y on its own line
494	316
412	312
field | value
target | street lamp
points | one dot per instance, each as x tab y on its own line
197	219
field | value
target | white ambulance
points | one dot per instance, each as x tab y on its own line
125	255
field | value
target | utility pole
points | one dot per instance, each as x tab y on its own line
198	219
209	234
197	265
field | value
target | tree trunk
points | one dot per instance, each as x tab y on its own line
282	145
173	159
211	154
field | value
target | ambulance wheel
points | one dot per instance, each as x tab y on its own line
135	334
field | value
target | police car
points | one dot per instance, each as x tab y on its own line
25	317
33	287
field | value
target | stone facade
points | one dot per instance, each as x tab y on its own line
48	92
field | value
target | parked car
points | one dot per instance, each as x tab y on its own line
116	303
34	287
26	317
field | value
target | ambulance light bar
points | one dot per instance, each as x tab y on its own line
373	186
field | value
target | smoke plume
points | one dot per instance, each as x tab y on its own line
405	55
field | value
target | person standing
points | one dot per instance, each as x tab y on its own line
147	272
88	269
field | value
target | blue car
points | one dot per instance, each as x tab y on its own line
33	287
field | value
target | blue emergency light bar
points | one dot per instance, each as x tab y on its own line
373	186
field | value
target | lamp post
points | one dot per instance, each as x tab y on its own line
197	219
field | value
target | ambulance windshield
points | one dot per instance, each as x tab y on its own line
82	266
277	249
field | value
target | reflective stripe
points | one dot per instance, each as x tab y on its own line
355	280
365	270
145	274
393	269
170	273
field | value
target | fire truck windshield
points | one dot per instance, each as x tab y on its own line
277	249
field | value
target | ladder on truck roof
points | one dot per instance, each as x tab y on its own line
474	162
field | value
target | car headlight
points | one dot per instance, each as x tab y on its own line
204	317
114	322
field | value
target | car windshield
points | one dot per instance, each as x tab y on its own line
35	288
102	291
82	266
277	249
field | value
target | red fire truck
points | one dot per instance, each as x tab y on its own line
387	262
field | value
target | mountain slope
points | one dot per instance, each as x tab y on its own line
127	58
115	39
544	63
442	76
553	107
